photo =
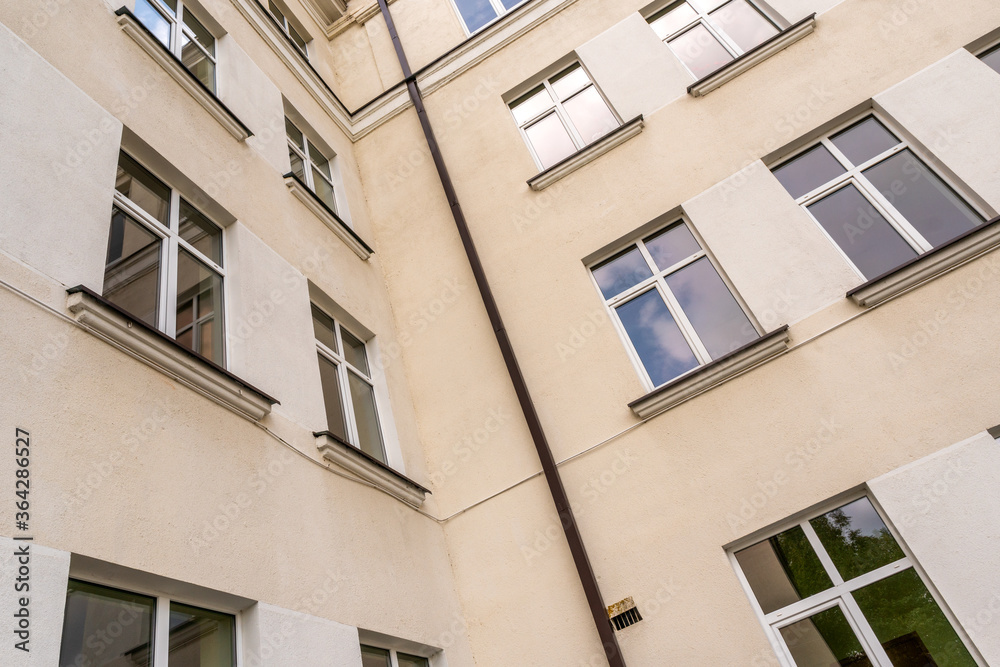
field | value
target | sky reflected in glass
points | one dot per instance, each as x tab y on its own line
656	337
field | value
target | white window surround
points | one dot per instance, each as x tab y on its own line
497	6
360	464
328	217
587	154
132	27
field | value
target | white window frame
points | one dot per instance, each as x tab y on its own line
393	654
171	244
288	28
309	167
704	19
497	7
177	26
658	282
854	176
558	110
839	593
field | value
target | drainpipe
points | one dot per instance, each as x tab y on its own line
565	511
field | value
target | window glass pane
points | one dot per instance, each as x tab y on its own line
590	115
331	397
366	417
410	660
200	232
671	246
531	105
621	272
294	134
299	40
924	200
200	290
132	272
992	59
783	569
201	638
298	167
864	141
354	351
324	191
476	13
861	232
201	33
570	81
277	13
153	20
910	625
197	62
824	639
672	20
105	627
323	327
510	4
808	171
374	657
712	309
320	162
656	337
743	24
856	539
700	51
171	6
550	140
145	190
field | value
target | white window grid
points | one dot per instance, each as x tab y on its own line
497	7
308	153
558	109
658	283
344	367
170	245
279	14
840	594
393	654
854	176
178	28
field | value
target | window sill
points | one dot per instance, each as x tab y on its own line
931	264
329	218
753	57
357	462
587	154
110	323
714	373
176	69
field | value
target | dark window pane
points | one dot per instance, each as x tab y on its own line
199	289
910	625
808	171
197	62
864	141
366	417
550	140
324	190
700	51
299	40
476	13
153	20
673	19
621	272
201	33
671	246
374	657
331	398
923	198
354	351
992	59
743	24
713	311
856	539
590	115
132	272
657	339
145	190
105	626
824	639
783	569
201	233
201	638
294	135
276	12
323	327
861	232
411	660
298	167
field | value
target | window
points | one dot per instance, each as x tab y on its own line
992	58
184	35
562	115
348	390
477	13
838	589
707	34
874	198
673	307
289	29
381	657
310	166
164	262
107	626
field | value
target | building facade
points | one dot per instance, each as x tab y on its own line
440	332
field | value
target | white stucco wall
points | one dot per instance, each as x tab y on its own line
49	572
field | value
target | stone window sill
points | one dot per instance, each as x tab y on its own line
587	154
942	259
176	69
712	374
753	57
359	463
157	350
327	216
